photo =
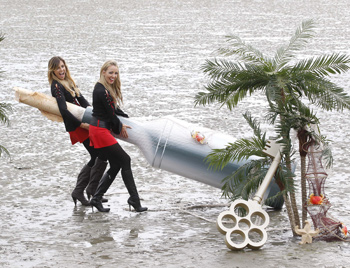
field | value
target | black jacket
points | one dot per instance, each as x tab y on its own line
62	95
105	109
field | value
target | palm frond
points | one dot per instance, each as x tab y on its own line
327	155
247	179
241	182
324	65
235	46
221	68
240	150
276	199
251	185
221	93
297	115
5	109
283	129
285	177
273	92
300	38
237	151
4	151
259	136
241	90
229	90
327	95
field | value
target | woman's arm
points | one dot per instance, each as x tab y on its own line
83	102
119	111
57	91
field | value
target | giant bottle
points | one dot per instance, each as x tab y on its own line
166	143
170	144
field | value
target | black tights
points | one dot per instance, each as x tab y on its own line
117	158
92	151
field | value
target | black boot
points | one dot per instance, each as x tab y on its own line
134	199
102	188
96	173
82	181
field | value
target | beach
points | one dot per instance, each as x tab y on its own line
160	47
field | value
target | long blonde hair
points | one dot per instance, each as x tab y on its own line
115	88
68	81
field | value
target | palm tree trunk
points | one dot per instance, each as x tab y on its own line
303	189
292	198
288	205
290	213
293	202
303	135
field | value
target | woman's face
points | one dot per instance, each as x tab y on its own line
60	72
110	74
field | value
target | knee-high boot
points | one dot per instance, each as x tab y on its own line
102	188
82	182
134	199
96	174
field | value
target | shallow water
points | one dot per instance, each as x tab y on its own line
160	46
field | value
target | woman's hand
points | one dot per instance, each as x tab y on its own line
124	132
84	126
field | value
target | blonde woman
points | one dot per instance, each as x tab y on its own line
106	97
63	88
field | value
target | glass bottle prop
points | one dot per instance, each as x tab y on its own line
169	144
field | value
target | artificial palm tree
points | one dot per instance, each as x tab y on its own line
4	109
285	80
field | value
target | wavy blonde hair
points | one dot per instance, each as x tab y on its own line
68	81
115	88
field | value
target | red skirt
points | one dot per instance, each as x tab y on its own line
100	137
78	135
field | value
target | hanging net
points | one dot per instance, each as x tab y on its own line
318	204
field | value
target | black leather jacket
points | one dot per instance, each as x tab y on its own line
62	95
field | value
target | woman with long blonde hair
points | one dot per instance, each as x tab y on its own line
64	89
106	97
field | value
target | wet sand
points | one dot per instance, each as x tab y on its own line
160	46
